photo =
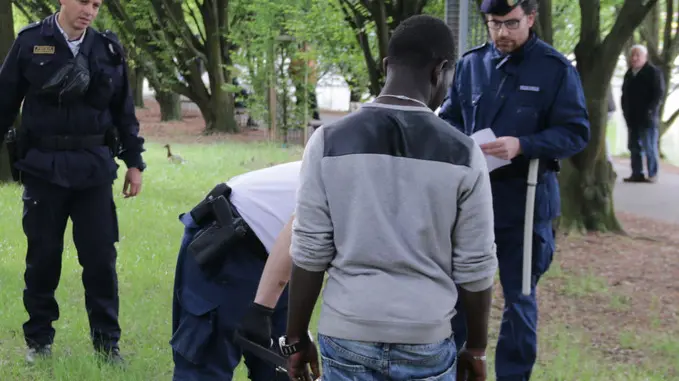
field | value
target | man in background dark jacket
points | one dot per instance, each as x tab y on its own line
642	94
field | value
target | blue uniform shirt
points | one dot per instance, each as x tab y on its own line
38	52
534	94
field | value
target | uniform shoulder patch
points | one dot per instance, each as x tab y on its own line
475	49
29	27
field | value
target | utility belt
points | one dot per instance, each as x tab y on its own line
67	142
222	228
519	170
74	142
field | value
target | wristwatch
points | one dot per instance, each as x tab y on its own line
288	349
474	357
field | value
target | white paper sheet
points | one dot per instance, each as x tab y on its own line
485	136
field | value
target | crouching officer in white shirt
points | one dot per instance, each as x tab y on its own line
227	239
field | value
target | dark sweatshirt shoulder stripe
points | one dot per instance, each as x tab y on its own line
399	131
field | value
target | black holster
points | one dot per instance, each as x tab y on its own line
112	140
221	229
15	150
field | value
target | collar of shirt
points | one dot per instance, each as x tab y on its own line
73	44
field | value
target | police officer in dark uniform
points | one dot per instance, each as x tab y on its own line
531	97
77	115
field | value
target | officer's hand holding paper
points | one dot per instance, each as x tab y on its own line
487	136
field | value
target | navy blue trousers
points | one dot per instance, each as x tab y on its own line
207	309
47	208
517	344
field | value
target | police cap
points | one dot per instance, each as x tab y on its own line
499	7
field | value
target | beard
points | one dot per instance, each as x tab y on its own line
505	45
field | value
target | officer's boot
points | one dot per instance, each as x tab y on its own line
110	355
38	351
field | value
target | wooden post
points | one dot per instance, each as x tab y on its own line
273	135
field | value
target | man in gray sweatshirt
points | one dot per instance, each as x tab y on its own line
396	206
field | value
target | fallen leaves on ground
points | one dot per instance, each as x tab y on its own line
622	290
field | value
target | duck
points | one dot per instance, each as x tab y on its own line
172	158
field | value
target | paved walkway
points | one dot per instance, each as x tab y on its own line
658	201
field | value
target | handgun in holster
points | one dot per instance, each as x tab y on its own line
212	243
15	151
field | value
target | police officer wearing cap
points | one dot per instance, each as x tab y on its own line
531	97
78	114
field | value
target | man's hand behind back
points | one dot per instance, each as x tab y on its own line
471	365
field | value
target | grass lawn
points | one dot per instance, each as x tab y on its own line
150	236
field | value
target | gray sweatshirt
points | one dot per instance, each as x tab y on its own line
396	205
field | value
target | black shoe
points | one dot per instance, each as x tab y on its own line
111	356
38	352
635	179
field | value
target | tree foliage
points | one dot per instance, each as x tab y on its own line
183	39
372	22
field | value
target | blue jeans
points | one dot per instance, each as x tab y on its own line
516	349
644	139
348	360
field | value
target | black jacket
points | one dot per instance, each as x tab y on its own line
642	95
37	53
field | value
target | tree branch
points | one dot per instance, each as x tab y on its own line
358	23
194	17
631	14
650	46
670	121
667	35
173	12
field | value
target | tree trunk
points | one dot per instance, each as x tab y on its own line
221	100
223	111
587	190
137	84
214	115
544	22
170	105
6	40
587	179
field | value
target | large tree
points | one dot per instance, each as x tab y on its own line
182	40
6	40
372	22
587	179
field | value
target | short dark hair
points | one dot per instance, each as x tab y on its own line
529	6
421	40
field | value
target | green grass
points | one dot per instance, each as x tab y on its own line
150	236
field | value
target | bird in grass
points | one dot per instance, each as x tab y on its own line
172	158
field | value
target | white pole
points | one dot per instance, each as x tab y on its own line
528	226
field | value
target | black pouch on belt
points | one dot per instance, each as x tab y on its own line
211	245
